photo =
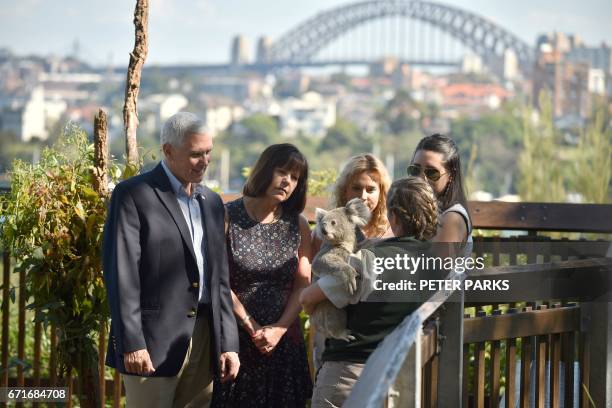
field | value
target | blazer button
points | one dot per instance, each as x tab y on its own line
192	313
195	285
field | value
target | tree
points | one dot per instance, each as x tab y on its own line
497	136
245	141
53	227
398	114
593	165
132	85
258	128
342	133
540	167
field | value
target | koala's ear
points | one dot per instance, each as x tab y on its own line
319	213
358	212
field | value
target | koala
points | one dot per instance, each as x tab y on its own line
337	229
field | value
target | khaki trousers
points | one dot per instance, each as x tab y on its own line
191	388
336	379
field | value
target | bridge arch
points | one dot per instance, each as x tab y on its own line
478	33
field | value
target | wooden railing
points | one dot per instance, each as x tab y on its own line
450	346
550	337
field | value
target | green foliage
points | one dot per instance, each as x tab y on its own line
540	166
343	133
245	141
53	228
593	165
470	179
259	128
401	113
497	136
319	182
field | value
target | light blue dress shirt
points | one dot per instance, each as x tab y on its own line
190	207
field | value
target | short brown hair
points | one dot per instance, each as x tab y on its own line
414	204
284	156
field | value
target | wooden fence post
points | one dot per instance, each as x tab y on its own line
597	323
101	153
408	381
21	327
6	301
98	390
450	374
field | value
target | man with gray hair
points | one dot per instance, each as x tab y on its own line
167	279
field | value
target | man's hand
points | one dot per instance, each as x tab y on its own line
138	362
230	364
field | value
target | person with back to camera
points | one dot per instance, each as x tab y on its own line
269	256
412	213
166	274
436	159
364	177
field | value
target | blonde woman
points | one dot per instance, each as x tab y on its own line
365	177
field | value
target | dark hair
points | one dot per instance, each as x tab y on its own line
413	202
453	193
285	156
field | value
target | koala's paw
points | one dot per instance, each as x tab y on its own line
344	335
351	281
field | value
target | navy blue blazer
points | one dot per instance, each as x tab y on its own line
151	275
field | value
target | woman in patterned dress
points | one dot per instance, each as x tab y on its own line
269	250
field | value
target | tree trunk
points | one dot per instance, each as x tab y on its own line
100	154
132	85
89	378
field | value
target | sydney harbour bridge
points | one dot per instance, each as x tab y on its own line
412	31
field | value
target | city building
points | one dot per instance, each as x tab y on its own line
155	109
237	88
25	116
264	44
473	99
571	73
240	51
220	113
311	115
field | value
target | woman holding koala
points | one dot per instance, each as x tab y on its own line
364	177
269	251
413	213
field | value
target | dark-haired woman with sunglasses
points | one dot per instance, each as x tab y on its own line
436	158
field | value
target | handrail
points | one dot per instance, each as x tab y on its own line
382	366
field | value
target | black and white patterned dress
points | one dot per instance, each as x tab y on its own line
263	262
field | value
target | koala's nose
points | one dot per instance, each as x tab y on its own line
323	230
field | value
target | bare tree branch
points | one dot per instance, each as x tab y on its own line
132	85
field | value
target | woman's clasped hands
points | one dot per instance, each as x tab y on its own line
265	338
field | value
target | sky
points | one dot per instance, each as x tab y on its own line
200	31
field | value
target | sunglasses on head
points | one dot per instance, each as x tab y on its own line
431	173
